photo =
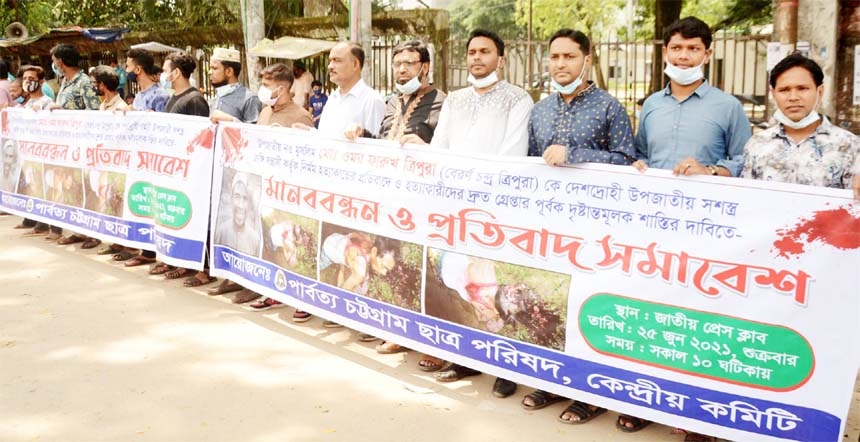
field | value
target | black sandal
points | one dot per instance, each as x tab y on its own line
637	423
541	399
583	411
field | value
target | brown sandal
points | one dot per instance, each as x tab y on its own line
139	260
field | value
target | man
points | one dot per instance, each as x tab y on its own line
5	97
76	93
803	147
353	102
580	123
317	102
302	85
689	127
141	69
242	231
34	80
10	166
274	94
121	77
186	100
233	101
491	117
411	116
16	93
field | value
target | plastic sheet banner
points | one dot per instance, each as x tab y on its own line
717	305
142	179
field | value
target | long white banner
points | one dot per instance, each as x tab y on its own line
140	179
718	305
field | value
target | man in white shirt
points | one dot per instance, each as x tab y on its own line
301	88
353	102
491	117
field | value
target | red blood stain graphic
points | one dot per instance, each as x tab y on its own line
202	140
234	142
837	228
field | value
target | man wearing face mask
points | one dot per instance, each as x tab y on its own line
186	100
412	115
690	126
803	147
107	86
16	92
316	102
233	102
280	109
141	69
581	123
34	80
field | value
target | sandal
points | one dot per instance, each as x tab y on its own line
138	260
177	273
302	316
541	399
367	337
160	268
454	373
430	363
111	250
637	423
226	286
71	239
585	412
698	437
124	255
390	348
194	281
90	243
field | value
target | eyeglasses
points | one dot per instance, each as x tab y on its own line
408	64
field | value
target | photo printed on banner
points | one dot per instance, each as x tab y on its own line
238	223
290	241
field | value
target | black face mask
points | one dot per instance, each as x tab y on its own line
132	77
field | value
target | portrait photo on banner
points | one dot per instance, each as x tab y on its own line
105	192
237	224
382	268
290	241
64	185
518	302
11	164
32	181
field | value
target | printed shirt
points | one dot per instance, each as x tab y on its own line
152	98
494	123
77	94
362	105
709	125
829	157
241	103
418	115
594	127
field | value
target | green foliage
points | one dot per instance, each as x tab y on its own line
495	15
592	17
36	15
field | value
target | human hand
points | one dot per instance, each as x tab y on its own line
689	166
353	131
555	155
221	116
640	165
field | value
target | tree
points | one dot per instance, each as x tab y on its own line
666	12
495	15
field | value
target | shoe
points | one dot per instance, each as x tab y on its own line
302	316
331	324
265	304
503	388
244	296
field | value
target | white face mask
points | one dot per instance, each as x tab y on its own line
487	81
266	96
570	88
685	76
806	121
224	90
410	87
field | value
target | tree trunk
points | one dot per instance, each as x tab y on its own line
595	63
666	12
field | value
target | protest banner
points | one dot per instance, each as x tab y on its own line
140	179
719	305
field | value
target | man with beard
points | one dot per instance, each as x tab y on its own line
242	232
10	163
233	101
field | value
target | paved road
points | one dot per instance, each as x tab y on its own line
92	351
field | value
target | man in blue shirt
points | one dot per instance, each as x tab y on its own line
316	102
690	126
580	123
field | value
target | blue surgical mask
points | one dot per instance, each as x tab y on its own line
20	100
164	79
806	121
570	88
410	86
56	70
489	80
